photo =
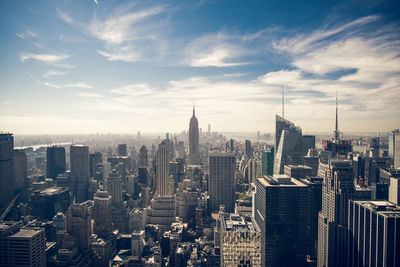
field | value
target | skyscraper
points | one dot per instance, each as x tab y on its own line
22	247
267	161
20	168
248	150
280	124
95	158
102	214
143	160
194	153
308	142
6	167
55	156
79	161
281	213
394	147
164	182
221	181
79	224
337	190
114	188
240	241
373	233
122	150
289	149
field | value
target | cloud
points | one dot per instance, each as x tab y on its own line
215	50
47	58
77	85
302	43
121	54
65	17
141	89
96	2
53	73
82	85
127	35
25	35
90	95
119	28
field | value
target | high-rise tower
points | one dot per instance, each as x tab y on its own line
194	154
102	214
281	212
336	133
289	147
143	161
55	157
6	167
337	190
164	185
221	181
79	158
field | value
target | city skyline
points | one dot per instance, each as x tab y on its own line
77	67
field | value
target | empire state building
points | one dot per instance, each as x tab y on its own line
194	154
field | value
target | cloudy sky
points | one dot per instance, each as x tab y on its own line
101	66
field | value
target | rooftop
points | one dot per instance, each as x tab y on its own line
235	222
384	208
281	180
26	233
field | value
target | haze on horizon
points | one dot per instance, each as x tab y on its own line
125	66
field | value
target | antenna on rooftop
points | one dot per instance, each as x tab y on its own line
283	101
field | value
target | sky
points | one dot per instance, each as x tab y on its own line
99	66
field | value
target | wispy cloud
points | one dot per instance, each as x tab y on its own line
362	64
81	85
54	73
26	34
47	58
90	95
118	28
65	17
77	85
215	50
127	35
141	89
122	54
302	43
96	2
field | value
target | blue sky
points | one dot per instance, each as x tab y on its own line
124	66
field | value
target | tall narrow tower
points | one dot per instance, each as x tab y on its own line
336	133
283	101
194	154
163	182
337	189
79	161
6	167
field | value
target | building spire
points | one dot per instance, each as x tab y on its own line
193	110
336	120
283	101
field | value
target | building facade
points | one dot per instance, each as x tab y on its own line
374	236
240	241
337	189
281	213
164	182
6	168
55	163
79	161
221	181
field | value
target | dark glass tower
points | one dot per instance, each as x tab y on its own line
55	156
6	167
